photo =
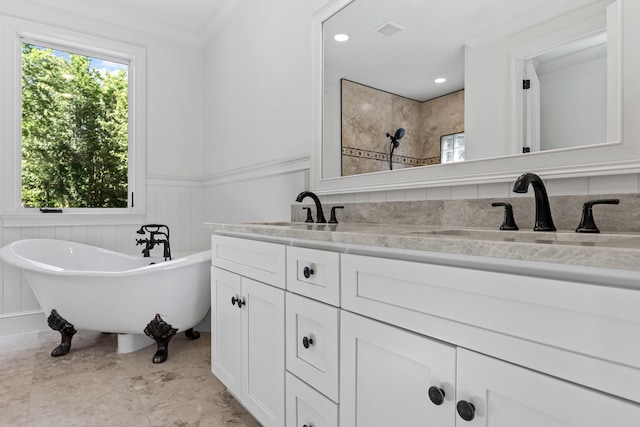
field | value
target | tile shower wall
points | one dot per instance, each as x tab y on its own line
175	202
368	114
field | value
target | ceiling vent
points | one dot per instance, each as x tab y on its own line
389	28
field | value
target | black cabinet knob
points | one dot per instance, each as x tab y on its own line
307	425
466	410
306	342
240	302
307	272
436	395
234	300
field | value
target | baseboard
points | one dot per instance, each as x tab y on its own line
22	323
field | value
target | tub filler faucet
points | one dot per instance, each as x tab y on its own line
158	235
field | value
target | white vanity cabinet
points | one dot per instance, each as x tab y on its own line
370	337
552	329
247	320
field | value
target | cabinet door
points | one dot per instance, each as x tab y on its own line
263	352
506	395
386	374
226	330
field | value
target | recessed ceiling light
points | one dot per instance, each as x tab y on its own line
440	80
341	37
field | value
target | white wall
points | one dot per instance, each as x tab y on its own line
258	111
573	104
258	85
174	162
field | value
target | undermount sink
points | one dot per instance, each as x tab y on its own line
524	236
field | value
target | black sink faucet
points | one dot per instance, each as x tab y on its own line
319	213
544	222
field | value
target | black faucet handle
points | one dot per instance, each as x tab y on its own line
509	222
333	219
309	217
587	223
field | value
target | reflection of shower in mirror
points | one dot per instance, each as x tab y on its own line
394	144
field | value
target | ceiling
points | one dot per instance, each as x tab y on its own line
175	18
434	35
432	43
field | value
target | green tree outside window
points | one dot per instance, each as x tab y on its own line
74	131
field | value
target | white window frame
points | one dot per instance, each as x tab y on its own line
12	213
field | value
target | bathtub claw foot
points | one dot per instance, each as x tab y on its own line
161	332
191	334
67	331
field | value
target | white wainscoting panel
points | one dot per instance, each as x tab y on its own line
263	193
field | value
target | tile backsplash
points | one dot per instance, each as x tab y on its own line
566	212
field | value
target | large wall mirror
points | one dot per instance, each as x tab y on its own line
505	86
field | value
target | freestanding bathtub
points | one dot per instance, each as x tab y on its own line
91	288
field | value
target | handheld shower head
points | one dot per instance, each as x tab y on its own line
394	143
396	137
141	231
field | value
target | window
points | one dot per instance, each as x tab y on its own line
74	137
452	148
74	108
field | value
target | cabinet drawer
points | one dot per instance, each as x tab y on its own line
312	343
314	273
583	318
305	406
257	260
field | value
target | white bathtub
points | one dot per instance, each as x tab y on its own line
102	290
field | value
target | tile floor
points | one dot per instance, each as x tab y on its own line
93	385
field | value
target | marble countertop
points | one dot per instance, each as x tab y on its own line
612	251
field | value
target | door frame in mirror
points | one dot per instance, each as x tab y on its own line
520	54
603	159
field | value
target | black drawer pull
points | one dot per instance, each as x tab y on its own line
307	342
308	272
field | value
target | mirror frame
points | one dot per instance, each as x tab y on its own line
613	158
